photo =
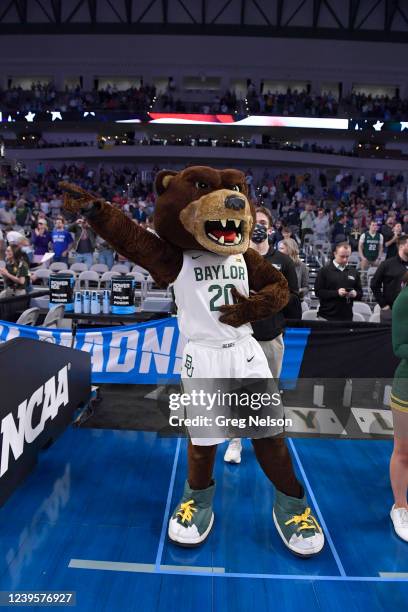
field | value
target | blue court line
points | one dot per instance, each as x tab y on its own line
162	570
318	511
167	509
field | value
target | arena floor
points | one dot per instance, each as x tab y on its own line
92	518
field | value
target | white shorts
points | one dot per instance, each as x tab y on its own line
215	366
243	358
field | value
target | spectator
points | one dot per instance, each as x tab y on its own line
41	241
307	218
337	286
7	218
84	241
370	246
274	348
339	232
269	332
321	226
288	234
386	282
138	213
290	247
387	231
22	213
405	224
16	274
55	206
355	234
392	243
105	252
61	240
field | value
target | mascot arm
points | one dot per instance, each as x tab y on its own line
161	259
269	293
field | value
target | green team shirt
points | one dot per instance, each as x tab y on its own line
400	346
371	245
17	269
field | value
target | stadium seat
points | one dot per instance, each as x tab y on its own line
362	309
43	274
358	317
29	316
141	270
54	316
79	267
120	269
87	277
99	268
305	306
106	278
309	315
67	272
56	266
354	258
375	317
140	278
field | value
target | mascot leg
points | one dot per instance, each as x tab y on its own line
193	517
292	516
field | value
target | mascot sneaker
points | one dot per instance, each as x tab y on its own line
233	452
193	518
297	527
399	517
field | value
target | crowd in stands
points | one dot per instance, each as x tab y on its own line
369	213
43	97
183	141
144	98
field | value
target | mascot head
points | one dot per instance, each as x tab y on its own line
204	208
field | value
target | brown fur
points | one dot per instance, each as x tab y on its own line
211	206
185	201
182	190
272	293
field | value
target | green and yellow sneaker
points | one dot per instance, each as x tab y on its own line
193	518
297	526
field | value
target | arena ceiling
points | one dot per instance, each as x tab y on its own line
364	20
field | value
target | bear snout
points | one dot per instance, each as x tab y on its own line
234	202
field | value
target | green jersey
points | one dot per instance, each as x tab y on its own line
371	245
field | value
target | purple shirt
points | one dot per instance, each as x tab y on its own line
41	242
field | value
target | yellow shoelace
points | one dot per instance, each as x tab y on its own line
186	511
306	521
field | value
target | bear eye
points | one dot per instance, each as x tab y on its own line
236	188
201	185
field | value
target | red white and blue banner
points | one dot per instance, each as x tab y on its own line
231	120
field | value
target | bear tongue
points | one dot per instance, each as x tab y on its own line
229	236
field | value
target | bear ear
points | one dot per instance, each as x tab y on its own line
163	179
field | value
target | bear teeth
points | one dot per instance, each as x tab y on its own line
221	240
223	222
237	223
237	239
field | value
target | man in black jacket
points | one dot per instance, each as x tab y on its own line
337	286
386	282
269	332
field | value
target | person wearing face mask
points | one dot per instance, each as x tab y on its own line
269	332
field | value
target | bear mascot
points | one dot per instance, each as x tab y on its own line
203	222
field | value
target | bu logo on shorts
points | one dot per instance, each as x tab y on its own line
189	366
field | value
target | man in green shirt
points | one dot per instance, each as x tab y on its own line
370	246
